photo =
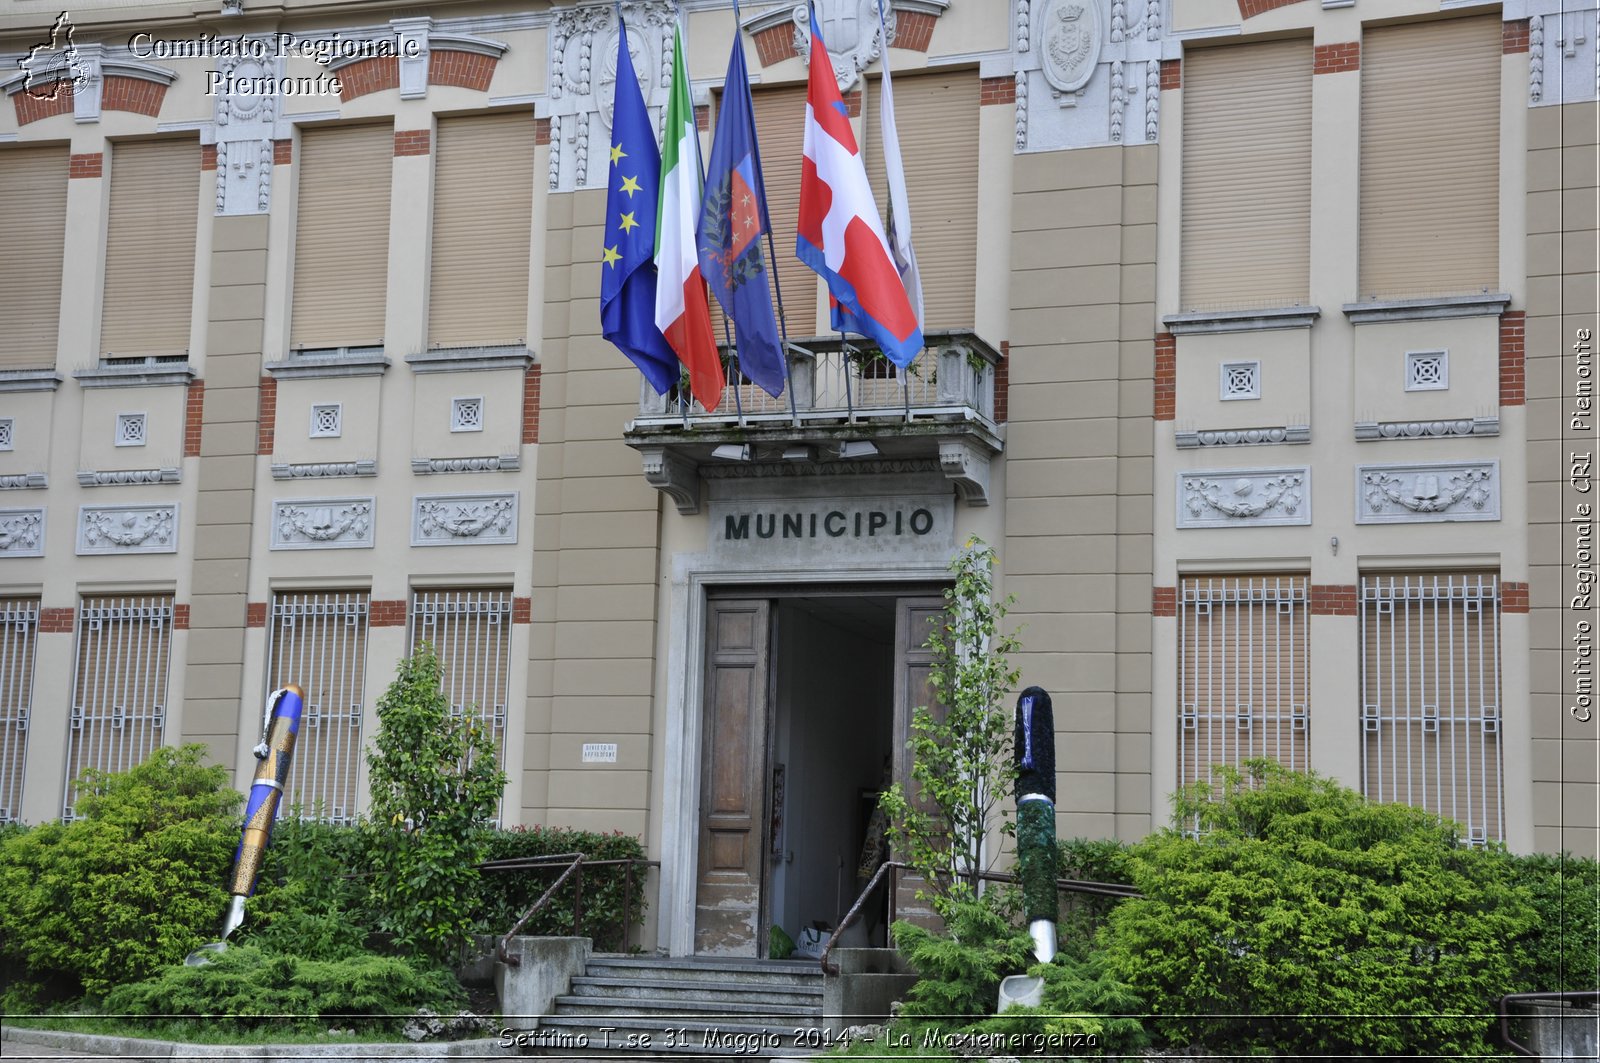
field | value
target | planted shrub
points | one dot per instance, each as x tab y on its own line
961	971
504	895
1371	927
308	899
1562	950
132	884
435	784
246	988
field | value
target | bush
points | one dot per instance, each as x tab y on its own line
504	895
960	974
134	883
1080	997
307	900
1370	927
435	784
246	988
1562	952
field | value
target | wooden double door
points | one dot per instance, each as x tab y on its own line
742	684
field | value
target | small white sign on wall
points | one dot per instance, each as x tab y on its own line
599	752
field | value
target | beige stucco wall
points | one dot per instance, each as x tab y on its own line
1078	465
1562	270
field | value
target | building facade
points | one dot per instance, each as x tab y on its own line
1257	347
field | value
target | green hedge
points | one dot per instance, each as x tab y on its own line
505	895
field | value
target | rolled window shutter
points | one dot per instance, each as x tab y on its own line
937	119
150	241
33	216
1430	158
482	216
341	254
780	116
1246	176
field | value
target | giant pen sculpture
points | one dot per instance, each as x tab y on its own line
280	726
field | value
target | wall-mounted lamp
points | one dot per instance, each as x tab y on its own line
732	452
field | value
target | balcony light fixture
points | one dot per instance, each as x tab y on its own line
732	452
858	448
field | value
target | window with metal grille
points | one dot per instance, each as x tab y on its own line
19	624
470	630
5	433
119	699
1243	689
319	640
1430	694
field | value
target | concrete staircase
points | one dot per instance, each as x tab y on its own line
647	1007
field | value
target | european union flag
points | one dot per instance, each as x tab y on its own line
628	269
733	218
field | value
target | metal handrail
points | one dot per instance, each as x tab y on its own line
1505	1015
576	863
893	867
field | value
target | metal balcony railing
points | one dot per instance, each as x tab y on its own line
838	381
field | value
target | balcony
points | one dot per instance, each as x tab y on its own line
849	406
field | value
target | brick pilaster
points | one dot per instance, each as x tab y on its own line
1336	58
1513	355
1165	391
1333	599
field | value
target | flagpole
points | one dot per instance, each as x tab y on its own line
772	248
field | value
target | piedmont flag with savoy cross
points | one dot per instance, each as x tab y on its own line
682	312
627	265
841	234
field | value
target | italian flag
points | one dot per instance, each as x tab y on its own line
682	313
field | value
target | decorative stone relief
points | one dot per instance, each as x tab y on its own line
321	523
668	472
1081	67
1425	493
583	61
21	481
244	124
1460	426
464	520
21	532
1563	62
966	465
318	470
851	29
128	529
490	463
1243	437
1236	498
120	477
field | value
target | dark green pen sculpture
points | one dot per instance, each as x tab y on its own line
1036	818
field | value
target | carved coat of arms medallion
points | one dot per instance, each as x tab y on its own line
1071	45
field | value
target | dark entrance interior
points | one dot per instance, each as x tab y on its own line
831	742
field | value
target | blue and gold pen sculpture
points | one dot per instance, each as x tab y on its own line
280	726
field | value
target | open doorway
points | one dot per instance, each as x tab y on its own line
807	698
832	740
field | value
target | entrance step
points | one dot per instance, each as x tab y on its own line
641	1008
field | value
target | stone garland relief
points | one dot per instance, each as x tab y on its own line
1228	498
463	520
245	125
1432	492
1081	67
128	529
1563	60
21	532
583	60
322	523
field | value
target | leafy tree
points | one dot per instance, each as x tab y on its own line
962	759
1305	919
435	784
134	882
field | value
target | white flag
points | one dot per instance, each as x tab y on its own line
897	222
